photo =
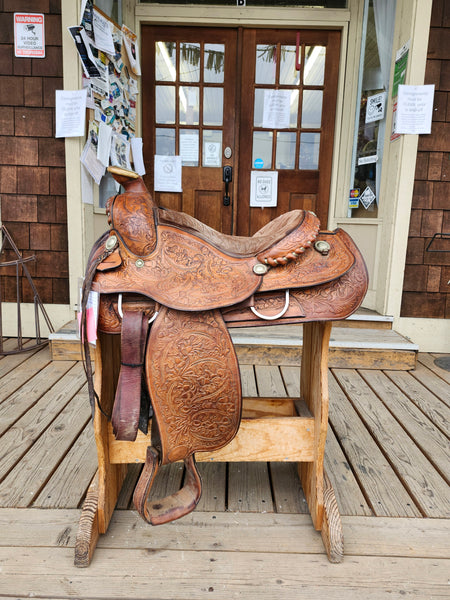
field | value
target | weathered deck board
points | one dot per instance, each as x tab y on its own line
66	486
227	531
226	574
24	482
27	429
431	405
429	490
23	372
249	487
383	489
428	360
433	443
13	407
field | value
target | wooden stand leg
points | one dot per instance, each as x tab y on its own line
332	535
103	493
317	487
88	533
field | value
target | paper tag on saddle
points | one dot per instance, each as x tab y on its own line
92	307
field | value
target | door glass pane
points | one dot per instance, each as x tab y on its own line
165	141
189	62
189	147
165	61
288	73
266	65
213	106
285	158
314	65
262	149
165	104
214	63
189	105
312	108
293	109
309	151
212	148
258	109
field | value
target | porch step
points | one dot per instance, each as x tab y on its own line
366	343
353	348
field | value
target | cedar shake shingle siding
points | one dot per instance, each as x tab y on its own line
425	287
32	164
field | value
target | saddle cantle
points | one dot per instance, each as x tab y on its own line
172	287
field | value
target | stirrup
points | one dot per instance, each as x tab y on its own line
171	507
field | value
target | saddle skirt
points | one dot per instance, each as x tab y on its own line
172	287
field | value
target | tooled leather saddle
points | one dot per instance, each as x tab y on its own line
172	287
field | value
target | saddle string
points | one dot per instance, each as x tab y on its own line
86	355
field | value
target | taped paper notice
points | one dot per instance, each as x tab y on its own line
167	173
264	188
70	113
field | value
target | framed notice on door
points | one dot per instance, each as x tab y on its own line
264	188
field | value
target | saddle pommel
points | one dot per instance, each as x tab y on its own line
130	214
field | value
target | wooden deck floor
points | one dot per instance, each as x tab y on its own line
251	537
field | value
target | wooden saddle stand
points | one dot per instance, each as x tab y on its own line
170	288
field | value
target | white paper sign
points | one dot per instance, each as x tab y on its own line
277	109
89	159
189	147
211	154
138	159
102	33
375	107
29	38
414	109
167	173
264	188
70	113
104	143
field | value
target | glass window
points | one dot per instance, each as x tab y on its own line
165	141
189	62
266	63
189	105
213	106
312	109
262	149
309	151
314	72
214	63
285	157
165	104
165	61
288	73
373	87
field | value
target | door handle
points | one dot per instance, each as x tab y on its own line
227	178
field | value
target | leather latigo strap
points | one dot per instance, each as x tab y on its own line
171	507
127	403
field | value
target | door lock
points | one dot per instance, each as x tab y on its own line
227	178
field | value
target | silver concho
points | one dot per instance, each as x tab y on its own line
260	269
139	263
111	242
322	247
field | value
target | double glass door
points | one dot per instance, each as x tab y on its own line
248	100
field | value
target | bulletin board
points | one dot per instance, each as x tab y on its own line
109	56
